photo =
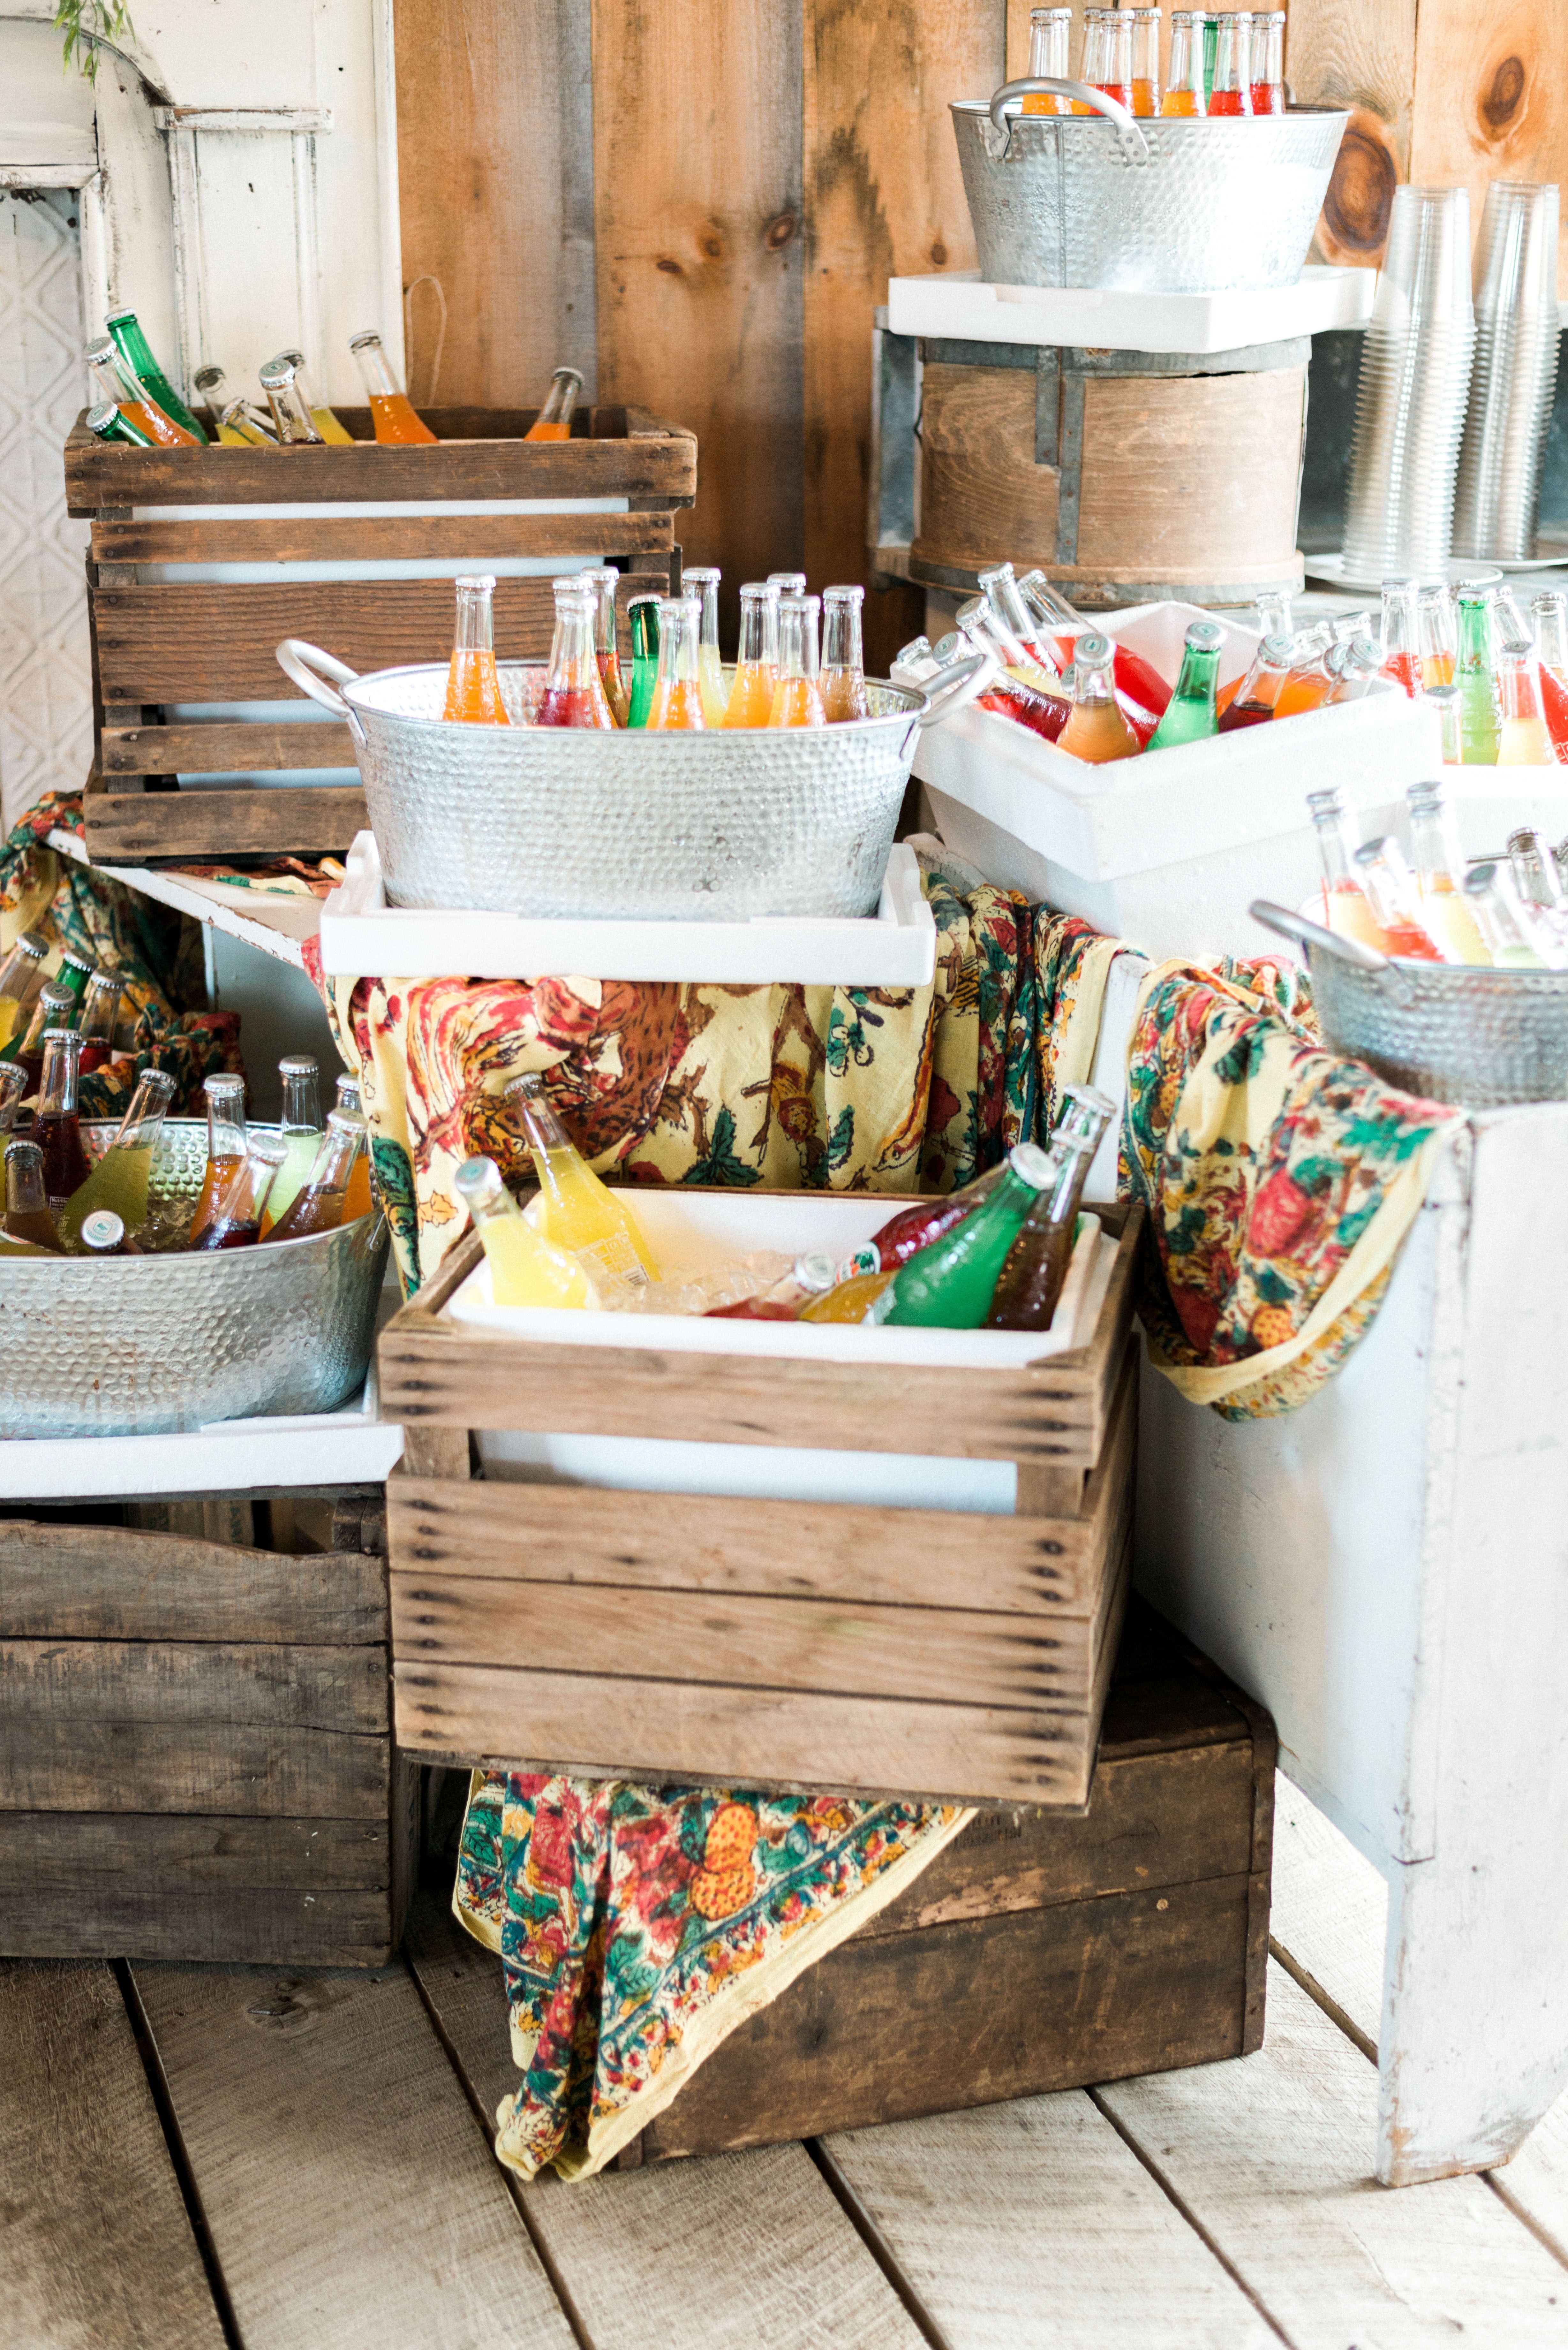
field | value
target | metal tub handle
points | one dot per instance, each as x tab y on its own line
307	666
955	687
1297	927
1008	103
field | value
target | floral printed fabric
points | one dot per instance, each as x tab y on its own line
638	1927
1280	1183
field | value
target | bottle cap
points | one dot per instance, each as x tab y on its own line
278	374
102	1229
816	1271
16	1150
475	1177
358	342
100	417
297	1065
1033	1164
159	1081
1205	637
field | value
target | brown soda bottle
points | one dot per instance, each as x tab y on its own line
237	1212
359	1200
1254	699
318	1208
101	1015
55	1008
56	1130
227	1144
27	1216
1031	1281
842	680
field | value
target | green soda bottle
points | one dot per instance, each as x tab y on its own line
134	349
948	1286
1190	715
75	975
108	423
1481	720
643	615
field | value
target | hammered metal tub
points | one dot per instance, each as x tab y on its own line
1150	206
1450	1031
572	823
153	1345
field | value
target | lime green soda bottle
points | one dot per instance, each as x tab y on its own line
950	1286
1190	715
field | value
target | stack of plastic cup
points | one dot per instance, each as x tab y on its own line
1410	399
1515	376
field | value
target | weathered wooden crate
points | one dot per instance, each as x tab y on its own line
195	1751
173	626
765	1641
1037	1952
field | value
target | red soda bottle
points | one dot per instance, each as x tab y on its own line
1267	69
1232	89
1401	635
573	695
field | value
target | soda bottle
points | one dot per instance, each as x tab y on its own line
1116	70
1029	1283
1268	68
1138	683
1042	664
577	1211
138	363
1231	91
1445	701
1435	636
330	427
391	414
300	1128
1098	730
1352	668
1145	46
843	679
360	1200
1549	614
55	1129
1345	907
240	1205
642	618
1092	64
100	1014
241	422
1534	869
116	387
703	583
607	654
1348	626
208	384
797	698
787	582
1023	659
1439	867
1524	739
107	422
1480	722
757	658
554	421
1401	641
1501	918
55	1008
525	1269
27	1216
20	972
472	687
1396	904
1189	714
12	1088
1310	681
120	1180
103	1234
227	1143
1184	81
573	695
810	1277
678	688
948	1286
291	419
319	1205
918	1226
1048	32
849	1300
1045	713
1210	23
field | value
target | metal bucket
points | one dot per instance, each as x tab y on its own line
1152	206
1450	1032
152	1346
572	822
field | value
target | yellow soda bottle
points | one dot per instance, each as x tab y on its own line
851	1301
524	1269
577	1211
710	667
120	1180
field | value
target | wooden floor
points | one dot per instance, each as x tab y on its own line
192	2157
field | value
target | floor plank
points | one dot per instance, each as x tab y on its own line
1033	2224
350	2198
95	2245
746	2248
1272	2156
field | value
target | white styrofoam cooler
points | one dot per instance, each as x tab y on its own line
1167	850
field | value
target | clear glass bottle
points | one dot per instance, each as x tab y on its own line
1030	1282
797	697
1445	701
1253	699
757	658
843	679
1146	24
607	652
1391	893
1184	79
1347	909
138	364
573	695
13	1092
525	1269
292	421
242	1199
473	688
578	1211
331	427
984	620
27	1216
301	1132
1309	683
1231	91
100	1016
117	388
1008	695
1004	592
642	620
1096	51
227	1142
1049	32
319	1205
392	414
1401	635
1189	714
811	1276
1352	668
1098	730
1480	717
1141	689
120	1178
360	1198
678	688
950	1286
21	970
208	383
1437	637
56	1129
1116	79
702	581
1523	739
1268	70
1549	618
554	421
1501	918
1534	868
53	1007
1439	868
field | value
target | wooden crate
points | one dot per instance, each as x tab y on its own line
776	1643
159	643
1036	1952
195	1752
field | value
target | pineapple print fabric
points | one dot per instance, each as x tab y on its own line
638	1927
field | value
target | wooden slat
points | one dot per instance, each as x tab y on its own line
223	750
127	1683
377	538
884	198
109	1583
699	257
98	2249
980	489
1193	477
128	826
688	2256
352	2199
84	1766
192	643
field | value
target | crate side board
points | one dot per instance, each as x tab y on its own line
64	1582
380	538
128	826
227	747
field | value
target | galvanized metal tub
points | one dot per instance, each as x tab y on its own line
574	822
152	1345
1450	1031
1204	206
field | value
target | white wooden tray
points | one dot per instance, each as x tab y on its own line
960	305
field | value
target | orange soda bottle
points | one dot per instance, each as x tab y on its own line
554	421
359	1200
391	411
318	1207
1401	639
843	679
851	1300
1268	68
606	652
1048	32
113	384
227	1143
472	687
1232	88
240	1206
1310	682
757	659
573	695
1099	729
1145	23
1395	901
797	697
1184	80
1345	907
678	686
1436	636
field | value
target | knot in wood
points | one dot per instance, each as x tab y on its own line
1500	100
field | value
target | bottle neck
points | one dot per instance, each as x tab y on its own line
841	636
101	1007
475	626
296	425
797	637
55	1008
704	584
561	402
226	1133
335	1161
143	1120
1399	634
376	369
1475	634
25	1192
1333	849
1186	74
1517	688
1048	48
678	620
57	1085
604	584
1092	687
17	968
1232	56
1199	667
642	617
752	650
1550	614
540	1122
301	1102
572	660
